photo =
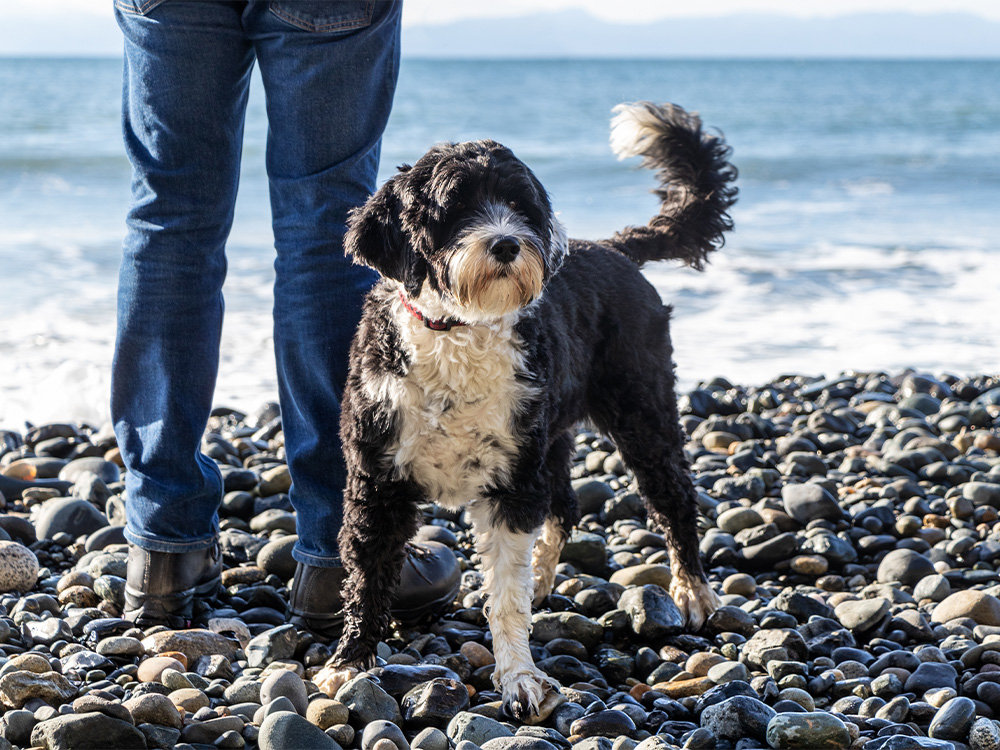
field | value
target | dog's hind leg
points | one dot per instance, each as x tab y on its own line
653	451
564	515
639	412
545	557
506	561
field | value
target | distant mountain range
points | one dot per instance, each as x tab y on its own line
575	34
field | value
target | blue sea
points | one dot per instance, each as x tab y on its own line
867	232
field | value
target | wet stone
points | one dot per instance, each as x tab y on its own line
476	729
807	731
367	702
953	720
435	702
399	679
931	675
652	613
738	717
607	723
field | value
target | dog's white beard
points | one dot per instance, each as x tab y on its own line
488	289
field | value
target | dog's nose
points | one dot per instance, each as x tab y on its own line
505	249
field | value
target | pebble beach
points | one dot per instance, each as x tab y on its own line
850	525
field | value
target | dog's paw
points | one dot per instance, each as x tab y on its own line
530	696
694	598
332	678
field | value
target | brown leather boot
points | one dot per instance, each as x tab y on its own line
428	584
161	587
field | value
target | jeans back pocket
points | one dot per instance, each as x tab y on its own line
324	15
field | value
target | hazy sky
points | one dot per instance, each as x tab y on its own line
87	27
439	11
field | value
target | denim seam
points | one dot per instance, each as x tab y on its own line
157	545
319	561
358	23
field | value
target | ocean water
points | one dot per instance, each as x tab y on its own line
867	231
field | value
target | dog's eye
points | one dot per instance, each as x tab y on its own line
512	205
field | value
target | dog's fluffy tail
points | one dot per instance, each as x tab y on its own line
695	183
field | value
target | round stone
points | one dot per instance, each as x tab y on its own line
288	684
435	702
475	728
862	614
152	668
931	675
276	557
154	708
905	566
953	720
640	575
547	626
107	471
738	717
809	565
728	671
326	713
608	723
430	738
799	696
382	730
68	515
977	605
984	735
477	654
79	596
121	646
936	588
700	662
807	502
735	520
18	567
740	584
189	699
284	729
368	702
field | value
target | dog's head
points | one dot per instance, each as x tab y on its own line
468	231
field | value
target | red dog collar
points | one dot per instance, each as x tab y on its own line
435	325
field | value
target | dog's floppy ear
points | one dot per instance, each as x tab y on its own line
375	238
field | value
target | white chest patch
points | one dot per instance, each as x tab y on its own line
456	407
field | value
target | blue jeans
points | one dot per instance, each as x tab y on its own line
329	71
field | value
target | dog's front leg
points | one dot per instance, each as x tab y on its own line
379	518
508	583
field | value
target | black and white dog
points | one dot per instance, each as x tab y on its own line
489	336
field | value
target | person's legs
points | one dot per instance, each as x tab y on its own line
186	77
329	77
